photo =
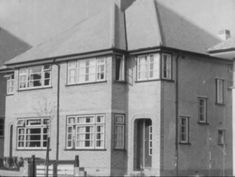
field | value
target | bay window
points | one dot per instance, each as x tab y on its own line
32	133
35	77
85	132
88	70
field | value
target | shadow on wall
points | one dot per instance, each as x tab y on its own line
10	46
180	33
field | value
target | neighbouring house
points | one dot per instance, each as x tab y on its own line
226	50
131	90
10	47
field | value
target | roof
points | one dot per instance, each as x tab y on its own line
146	24
226	45
102	31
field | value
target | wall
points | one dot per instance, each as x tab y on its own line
143	102
197	79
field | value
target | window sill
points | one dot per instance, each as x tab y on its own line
36	88
168	80
203	123
186	143
151	80
219	104
9	94
32	149
122	150
120	82
85	149
86	83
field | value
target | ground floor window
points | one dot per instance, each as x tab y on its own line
85	132
119	131
32	133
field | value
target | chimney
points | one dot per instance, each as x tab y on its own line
124	4
224	34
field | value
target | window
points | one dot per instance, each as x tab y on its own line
166	66
202	109
35	77
1	127
219	91
148	67
10	84
150	140
85	132
221	137
89	70
120	69
32	133
119	131
184	129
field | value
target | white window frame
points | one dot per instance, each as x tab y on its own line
10	83
145	67
220	91
24	125
166	60
93	125
84	71
202	110
184	133
150	140
119	137
26	80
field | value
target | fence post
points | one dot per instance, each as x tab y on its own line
32	167
76	166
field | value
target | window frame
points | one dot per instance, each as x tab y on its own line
219	101
221	137
25	126
123	125
150	150
204	113
147	66
169	67
28	74
2	127
10	83
85	70
187	130
94	132
120	73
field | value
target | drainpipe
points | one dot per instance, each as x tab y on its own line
57	118
177	115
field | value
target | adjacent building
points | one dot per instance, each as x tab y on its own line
131	90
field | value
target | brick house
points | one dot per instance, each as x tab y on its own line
126	101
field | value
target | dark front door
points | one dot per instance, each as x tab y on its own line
143	144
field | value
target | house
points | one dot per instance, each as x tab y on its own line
131	90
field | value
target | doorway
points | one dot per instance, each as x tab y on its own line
143	144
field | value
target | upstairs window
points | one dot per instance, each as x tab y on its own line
120	69
89	70
119	131
202	110
10	84
166	66
85	132
148	67
219	91
184	130
35	77
1	127
32	133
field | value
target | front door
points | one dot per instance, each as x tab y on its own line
143	142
